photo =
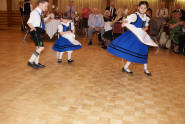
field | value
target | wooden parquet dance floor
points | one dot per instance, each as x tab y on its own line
92	90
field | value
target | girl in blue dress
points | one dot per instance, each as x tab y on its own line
128	46
66	41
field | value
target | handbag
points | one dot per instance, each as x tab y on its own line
117	28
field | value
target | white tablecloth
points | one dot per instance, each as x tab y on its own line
52	27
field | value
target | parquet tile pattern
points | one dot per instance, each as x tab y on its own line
93	90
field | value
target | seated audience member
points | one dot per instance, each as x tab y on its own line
108	29
176	25
117	29
153	29
181	37
96	24
178	8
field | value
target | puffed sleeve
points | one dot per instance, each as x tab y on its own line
131	18
60	28
147	21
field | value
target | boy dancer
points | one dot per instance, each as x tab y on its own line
37	27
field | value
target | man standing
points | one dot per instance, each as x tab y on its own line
70	9
112	10
96	24
37	27
161	14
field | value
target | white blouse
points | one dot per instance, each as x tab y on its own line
133	17
60	27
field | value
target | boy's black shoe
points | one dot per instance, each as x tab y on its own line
32	65
40	65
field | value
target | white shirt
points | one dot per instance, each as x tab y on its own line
162	12
35	17
60	27
133	18
107	26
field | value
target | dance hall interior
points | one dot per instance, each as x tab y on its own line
92	62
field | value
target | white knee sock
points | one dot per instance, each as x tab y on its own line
127	65
33	57
146	68
60	55
37	60
69	54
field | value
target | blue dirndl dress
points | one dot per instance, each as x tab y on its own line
128	46
63	44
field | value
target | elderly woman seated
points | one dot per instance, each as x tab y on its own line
176	25
96	24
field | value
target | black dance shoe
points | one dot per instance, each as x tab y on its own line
59	61
33	65
127	71
40	65
148	73
70	61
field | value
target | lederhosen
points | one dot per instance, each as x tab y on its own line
37	35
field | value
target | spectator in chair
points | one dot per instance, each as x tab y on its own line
178	8
96	24
153	29
176	30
